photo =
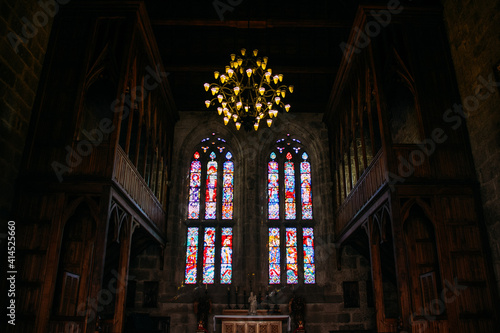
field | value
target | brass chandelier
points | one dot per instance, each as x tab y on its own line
248	92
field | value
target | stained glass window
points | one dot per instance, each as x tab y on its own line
191	255
309	265
289	193
289	189
227	196
291	256
226	270
305	188
282	192
274	256
194	188
211	201
211	189
209	256
273	188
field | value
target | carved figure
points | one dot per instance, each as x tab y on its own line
252	300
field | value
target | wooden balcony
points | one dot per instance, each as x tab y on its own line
126	176
368	184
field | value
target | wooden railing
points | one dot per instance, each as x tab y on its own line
367	185
128	178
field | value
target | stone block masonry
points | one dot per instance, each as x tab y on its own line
19	77
473	33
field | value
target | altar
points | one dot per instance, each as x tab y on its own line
238	321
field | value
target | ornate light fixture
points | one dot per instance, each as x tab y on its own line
248	92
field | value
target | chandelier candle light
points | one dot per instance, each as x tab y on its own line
248	91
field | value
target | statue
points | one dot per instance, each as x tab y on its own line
252	300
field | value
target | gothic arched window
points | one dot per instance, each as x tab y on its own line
290	213
209	216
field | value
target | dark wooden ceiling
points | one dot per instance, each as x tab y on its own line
301	39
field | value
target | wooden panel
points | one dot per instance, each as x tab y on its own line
429	290
415	162
228	327
129	179
240	328
67	325
94	164
275	328
251	326
468	266
262	328
430	326
464	237
458	210
477	325
451	162
35	211
474	301
68	298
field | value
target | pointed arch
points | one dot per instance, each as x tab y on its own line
422	259
73	205
290	212
210	211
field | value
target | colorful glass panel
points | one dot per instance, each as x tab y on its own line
274	256
305	188
227	195
226	269
308	247
290	211
191	255
209	256
194	189
291	256
211	190
273	190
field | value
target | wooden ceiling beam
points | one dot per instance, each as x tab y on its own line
253	24
282	69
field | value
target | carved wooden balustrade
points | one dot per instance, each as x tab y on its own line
366	187
126	176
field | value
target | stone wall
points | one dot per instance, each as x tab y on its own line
475	47
24	29
325	309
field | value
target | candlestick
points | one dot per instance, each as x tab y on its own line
236	302
228	298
